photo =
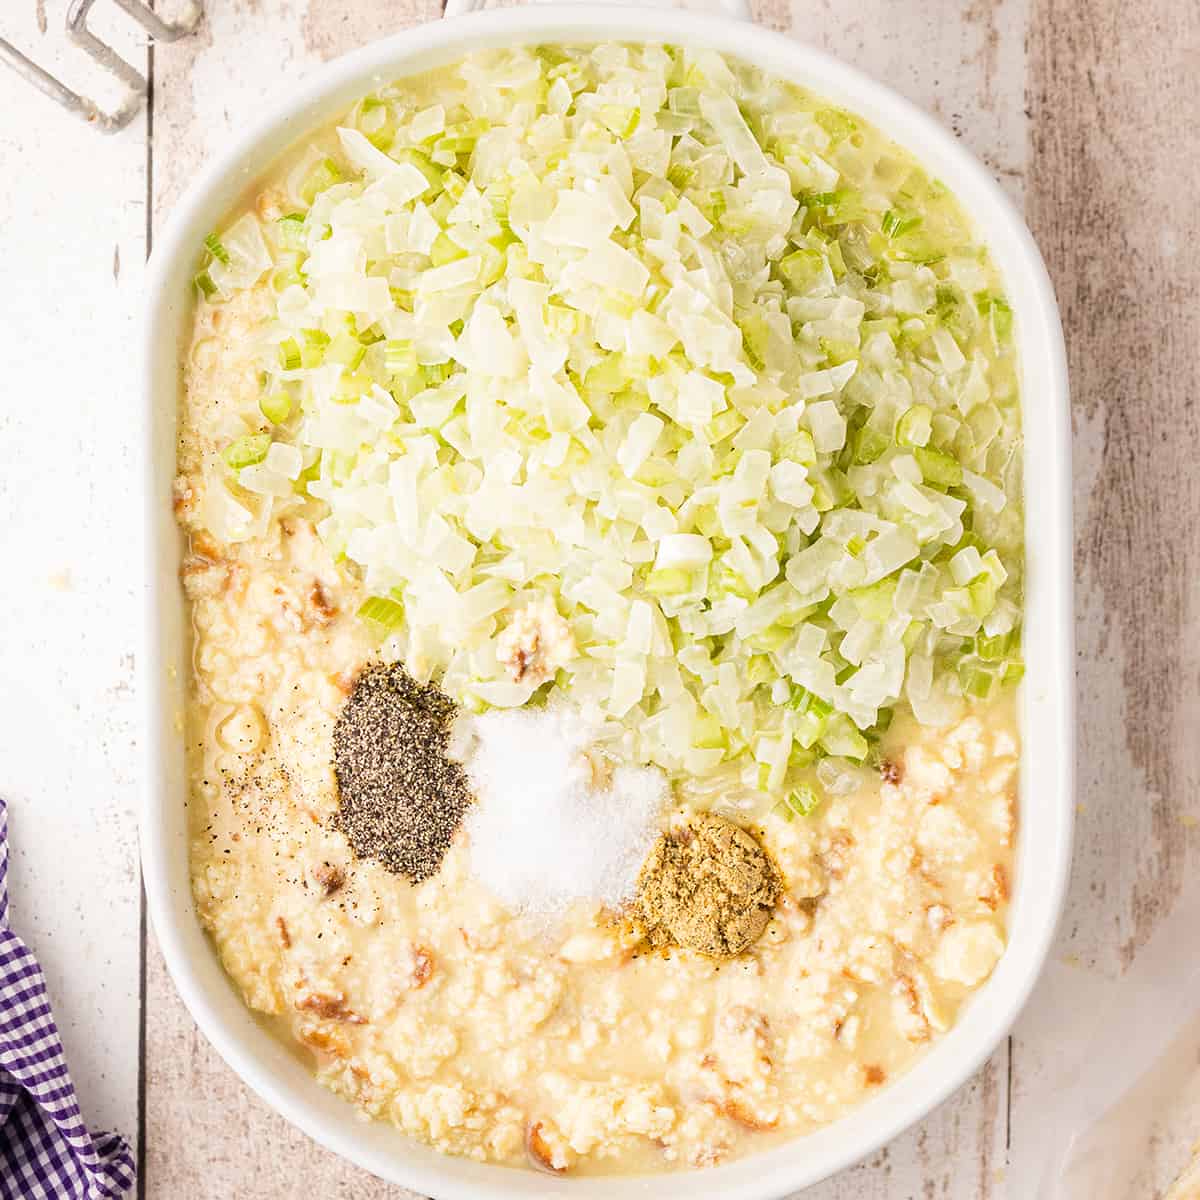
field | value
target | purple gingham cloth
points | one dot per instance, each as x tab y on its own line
46	1151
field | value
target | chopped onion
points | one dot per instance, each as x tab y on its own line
643	339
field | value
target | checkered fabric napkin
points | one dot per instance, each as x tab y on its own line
46	1152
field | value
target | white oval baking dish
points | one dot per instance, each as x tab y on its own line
1046	808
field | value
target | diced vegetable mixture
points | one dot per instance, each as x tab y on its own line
713	366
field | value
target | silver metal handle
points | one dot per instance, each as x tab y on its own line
135	84
739	9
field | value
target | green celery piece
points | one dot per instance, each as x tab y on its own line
976	679
291	231
322	177
216	248
803	800
897	224
385	614
445	250
276	406
994	649
729	580
247	450
290	355
938	469
670	581
346	350
377	122
399	357
802	268
869	445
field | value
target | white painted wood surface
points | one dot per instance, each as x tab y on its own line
1084	109
72	244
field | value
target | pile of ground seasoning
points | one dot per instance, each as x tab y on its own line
707	886
400	797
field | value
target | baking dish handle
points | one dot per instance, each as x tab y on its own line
740	9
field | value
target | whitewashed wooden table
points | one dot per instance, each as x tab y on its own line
1086	110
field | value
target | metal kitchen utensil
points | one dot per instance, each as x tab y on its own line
136	87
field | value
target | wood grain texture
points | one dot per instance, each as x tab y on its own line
1114	172
69	595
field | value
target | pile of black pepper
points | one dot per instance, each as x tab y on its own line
401	796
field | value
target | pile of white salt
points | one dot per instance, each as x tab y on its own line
551	825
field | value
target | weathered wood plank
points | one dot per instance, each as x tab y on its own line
71	603
1114	171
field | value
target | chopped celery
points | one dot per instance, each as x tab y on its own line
216	248
976	679
897	224
669	581
759	670
322	177
993	649
454	185
445	250
276	406
399	357
983	595
836	122
938	469
774	637
291	231
353	384
729	580
205	285
436	373
842	739
346	350
756	337
247	450
875	602
708	734
680	176
803	800
312	351
836	207
378	122
800	448
381	612
724	424
801	269
868	445
290	354
996	308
